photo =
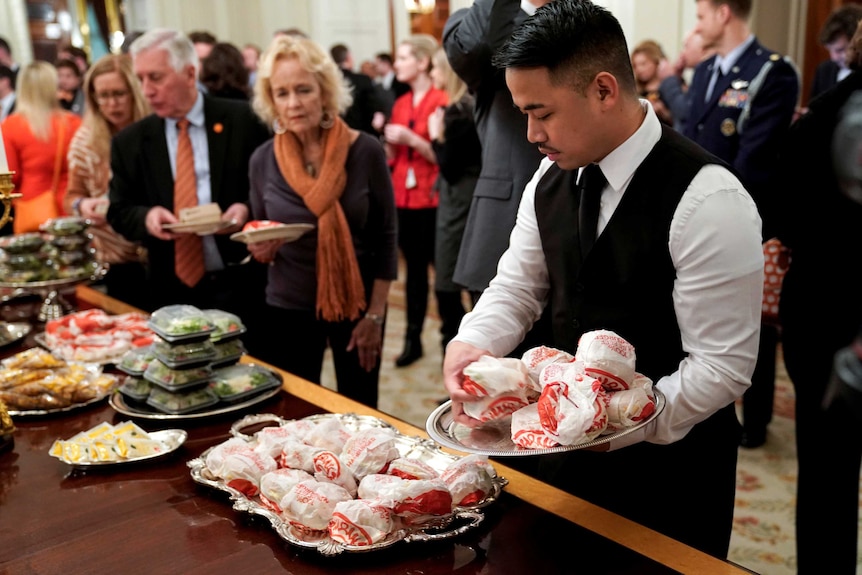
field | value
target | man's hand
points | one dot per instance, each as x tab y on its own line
458	356
156	218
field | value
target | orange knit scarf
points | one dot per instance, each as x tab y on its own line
340	293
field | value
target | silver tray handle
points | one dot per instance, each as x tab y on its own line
253	419
472	518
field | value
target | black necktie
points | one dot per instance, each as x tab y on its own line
592	183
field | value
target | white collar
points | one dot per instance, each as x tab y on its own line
619	166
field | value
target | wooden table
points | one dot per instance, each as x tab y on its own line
153	518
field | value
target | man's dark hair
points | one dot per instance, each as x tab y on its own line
223	72
76	52
202	37
6	72
740	8
339	54
841	22
385	56
4	45
67	63
574	40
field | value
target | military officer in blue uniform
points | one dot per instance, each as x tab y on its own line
742	101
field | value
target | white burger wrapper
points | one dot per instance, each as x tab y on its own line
298	455
271	440
240	466
329	467
629	407
572	407
497	406
469	479
360	522
275	485
311	503
370	451
328	434
608	358
527	430
410	468
492	376
538	357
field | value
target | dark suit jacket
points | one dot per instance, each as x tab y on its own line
471	37
366	101
825	76
745	132
142	176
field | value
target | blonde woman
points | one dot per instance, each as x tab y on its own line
459	154
330	286
113	100
37	137
414	173
646	59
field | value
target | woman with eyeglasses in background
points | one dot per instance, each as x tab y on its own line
113	100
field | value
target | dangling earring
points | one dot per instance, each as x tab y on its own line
327	121
277	128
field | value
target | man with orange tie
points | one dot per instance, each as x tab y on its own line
192	151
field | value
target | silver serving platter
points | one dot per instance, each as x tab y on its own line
171	440
118	402
73	407
494	438
10	332
461	519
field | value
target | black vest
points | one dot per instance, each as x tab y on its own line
625	284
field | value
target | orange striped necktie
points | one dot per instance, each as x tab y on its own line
188	249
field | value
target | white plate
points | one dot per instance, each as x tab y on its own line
286	232
171	440
494	438
201	229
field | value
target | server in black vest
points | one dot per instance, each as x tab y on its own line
676	269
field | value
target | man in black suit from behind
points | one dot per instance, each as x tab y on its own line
224	133
6	58
835	37
390	87
367	102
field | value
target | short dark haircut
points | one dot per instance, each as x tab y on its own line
385	56
67	63
76	52
223	72
6	72
339	53
841	22
202	37
574	40
740	8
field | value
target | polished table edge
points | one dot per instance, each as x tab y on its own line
660	548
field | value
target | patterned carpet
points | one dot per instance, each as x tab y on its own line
763	531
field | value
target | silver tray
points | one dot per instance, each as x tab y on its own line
12	332
459	521
494	438
118	402
73	407
171	440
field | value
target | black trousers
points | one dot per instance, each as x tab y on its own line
758	399
827	491
298	346
416	241
685	490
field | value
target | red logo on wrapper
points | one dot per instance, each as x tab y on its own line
503	406
343	530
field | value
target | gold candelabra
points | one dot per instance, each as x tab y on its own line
6	196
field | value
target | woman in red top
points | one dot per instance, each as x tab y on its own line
414	174
31	135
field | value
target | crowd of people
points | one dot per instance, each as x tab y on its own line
469	156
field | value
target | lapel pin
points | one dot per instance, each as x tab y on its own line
218	128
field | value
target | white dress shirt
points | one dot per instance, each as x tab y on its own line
200	147
6	103
715	247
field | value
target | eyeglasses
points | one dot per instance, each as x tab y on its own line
117	95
